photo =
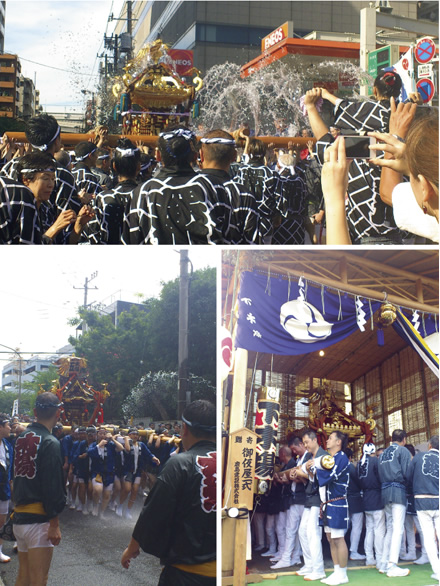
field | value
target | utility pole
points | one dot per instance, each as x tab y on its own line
115	56
20	372
129	27
86	287
86	290
184	395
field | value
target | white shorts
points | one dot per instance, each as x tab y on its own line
31	536
4	507
106	488
334	533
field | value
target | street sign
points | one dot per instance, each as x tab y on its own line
381	58
425	70
285	31
426	89
424	51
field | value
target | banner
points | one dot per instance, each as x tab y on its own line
421	343
405	68
291	317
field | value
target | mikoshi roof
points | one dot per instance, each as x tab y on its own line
408	277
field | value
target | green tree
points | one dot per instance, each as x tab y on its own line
164	322
45	379
147	340
11	125
114	355
156	395
27	402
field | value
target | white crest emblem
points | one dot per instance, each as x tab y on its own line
303	321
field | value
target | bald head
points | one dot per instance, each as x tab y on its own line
285	454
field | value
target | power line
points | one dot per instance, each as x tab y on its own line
59	69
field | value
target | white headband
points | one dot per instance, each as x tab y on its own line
50	170
228	141
147	165
44	147
187	134
367	449
85	156
107	156
290	167
127	152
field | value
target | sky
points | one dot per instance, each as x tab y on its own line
37	295
67	34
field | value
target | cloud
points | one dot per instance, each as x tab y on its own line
64	34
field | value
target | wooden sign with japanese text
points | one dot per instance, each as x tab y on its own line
241	469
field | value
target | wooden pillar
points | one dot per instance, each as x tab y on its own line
384	420
404	426
425	397
234	531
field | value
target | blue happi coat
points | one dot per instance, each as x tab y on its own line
424	472
336	481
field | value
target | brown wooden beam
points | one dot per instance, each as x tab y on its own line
419	290
364	292
71	139
357	262
343	270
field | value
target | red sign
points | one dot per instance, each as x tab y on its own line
426	89
183	60
331	86
275	37
424	51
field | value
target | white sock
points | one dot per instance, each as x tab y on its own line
343	572
335	570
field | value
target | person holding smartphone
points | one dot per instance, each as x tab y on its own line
370	220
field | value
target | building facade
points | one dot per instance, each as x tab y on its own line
232	31
10	70
29	368
2	25
27	103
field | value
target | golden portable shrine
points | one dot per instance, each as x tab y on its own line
151	94
82	404
325	416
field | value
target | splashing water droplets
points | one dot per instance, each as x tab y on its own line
271	93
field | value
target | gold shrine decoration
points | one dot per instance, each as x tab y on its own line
152	82
387	314
326	416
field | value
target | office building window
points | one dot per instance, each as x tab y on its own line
234	35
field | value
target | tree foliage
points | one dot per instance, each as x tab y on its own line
42	380
27	402
146	340
155	395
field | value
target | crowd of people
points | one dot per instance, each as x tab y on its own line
106	468
94	470
394	490
223	188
